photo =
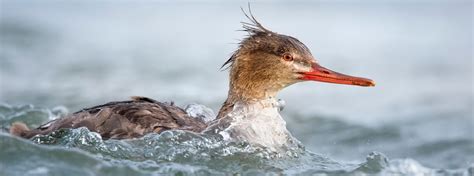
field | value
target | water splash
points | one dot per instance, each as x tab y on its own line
29	114
258	123
82	152
201	112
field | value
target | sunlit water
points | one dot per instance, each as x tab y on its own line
56	58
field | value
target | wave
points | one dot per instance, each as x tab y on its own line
82	152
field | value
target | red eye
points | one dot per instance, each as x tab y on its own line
287	57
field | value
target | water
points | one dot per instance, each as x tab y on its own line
81	152
57	57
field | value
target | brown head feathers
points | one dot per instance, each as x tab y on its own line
260	38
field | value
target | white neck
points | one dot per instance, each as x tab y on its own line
258	123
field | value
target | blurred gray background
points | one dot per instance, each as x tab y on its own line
82	53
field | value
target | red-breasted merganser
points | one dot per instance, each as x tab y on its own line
265	63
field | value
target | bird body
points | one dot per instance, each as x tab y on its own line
265	63
122	120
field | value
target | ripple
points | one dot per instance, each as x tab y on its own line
82	152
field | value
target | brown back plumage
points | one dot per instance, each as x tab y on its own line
120	120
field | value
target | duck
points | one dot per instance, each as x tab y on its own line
264	63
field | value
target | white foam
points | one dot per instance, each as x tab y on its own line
258	123
201	112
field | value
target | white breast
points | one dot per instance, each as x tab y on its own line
258	123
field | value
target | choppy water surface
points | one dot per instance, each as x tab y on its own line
81	152
58	57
